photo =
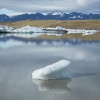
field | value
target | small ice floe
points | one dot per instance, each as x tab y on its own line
90	32
5	28
85	32
25	29
57	70
28	29
57	30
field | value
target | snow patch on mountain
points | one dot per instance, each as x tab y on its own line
57	13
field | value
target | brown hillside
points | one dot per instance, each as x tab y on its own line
74	24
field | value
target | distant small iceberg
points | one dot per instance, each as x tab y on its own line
83	31
57	30
6	29
29	29
25	29
57	70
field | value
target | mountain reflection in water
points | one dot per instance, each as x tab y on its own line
61	42
20	56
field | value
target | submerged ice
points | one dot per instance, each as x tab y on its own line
57	70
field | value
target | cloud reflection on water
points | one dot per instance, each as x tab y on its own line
17	62
8	41
71	49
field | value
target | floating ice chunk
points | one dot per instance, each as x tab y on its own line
29	29
26	29
55	71
86	32
5	28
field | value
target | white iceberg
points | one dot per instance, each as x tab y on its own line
5	28
55	71
58	30
85	32
28	29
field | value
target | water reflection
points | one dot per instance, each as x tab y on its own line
18	62
33	41
53	85
75	75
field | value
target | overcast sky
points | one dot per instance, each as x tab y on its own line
31	6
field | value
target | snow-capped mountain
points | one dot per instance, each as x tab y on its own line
51	15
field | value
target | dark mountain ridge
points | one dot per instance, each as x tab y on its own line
49	16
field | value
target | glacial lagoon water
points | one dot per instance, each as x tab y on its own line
19	57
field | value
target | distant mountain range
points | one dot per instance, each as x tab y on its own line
48	16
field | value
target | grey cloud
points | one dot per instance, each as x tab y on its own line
51	5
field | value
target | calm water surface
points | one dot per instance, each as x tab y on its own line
19	57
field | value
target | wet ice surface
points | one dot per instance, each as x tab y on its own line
54	71
19	57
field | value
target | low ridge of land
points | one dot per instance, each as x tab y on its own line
73	24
